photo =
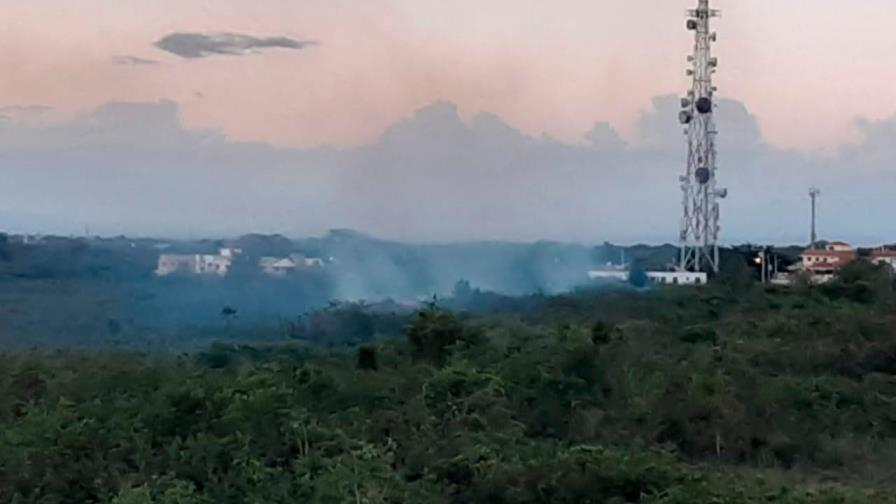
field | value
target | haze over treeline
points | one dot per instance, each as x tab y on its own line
101	291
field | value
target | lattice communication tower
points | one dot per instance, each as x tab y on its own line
700	220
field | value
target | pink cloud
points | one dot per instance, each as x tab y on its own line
807	71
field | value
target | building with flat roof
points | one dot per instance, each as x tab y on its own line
654	277
677	277
197	264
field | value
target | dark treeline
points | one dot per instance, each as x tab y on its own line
100	292
725	394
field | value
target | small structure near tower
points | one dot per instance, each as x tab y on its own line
699	250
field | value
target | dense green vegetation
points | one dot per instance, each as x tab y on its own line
726	394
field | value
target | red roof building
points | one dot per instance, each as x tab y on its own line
833	257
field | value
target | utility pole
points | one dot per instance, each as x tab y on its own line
699	233
767	260
763	266
814	193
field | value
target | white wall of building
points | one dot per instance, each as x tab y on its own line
620	275
677	277
888	260
656	277
840	247
213	265
170	264
196	264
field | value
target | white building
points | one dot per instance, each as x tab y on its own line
884	256
677	277
197	264
655	277
281	266
839	246
620	275
213	264
276	266
170	264
230	253
829	259
313	262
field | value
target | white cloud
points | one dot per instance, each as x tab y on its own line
133	168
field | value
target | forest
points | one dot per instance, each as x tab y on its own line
728	393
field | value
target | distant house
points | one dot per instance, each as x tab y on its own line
884	256
281	266
823	263
312	262
214	264
303	261
276	266
839	246
832	257
609	272
677	277
170	264
230	253
197	264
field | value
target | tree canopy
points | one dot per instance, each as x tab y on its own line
664	396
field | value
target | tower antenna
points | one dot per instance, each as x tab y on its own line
814	193
698	240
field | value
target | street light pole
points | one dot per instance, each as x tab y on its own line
814	193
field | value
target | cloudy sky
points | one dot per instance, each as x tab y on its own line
431	120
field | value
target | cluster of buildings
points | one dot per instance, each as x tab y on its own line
817	264
822	263
221	264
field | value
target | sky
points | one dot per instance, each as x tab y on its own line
431	120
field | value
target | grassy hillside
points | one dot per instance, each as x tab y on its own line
723	394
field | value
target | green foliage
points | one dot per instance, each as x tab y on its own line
691	396
862	282
344	324
700	334
735	272
601	334
367	358
432	333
